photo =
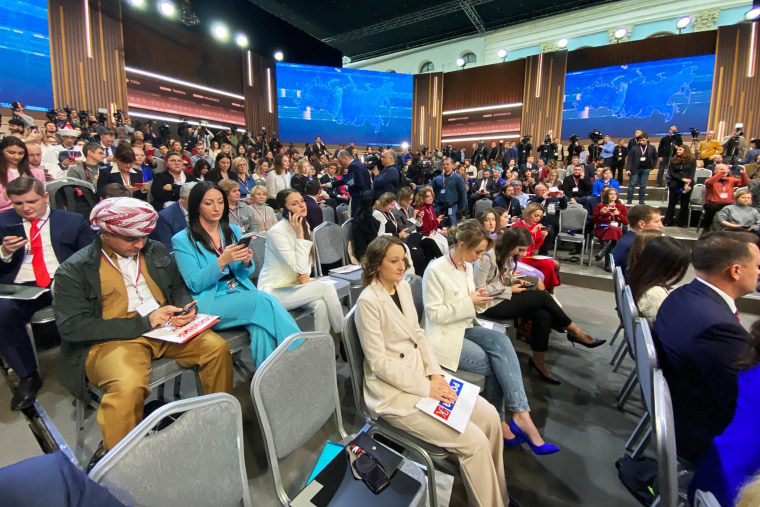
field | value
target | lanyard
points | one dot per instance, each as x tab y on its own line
263	218
234	215
128	181
390	217
454	263
126	277
39	229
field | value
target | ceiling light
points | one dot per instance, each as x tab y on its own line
220	31
404	145
621	32
502	53
241	40
562	43
278	56
461	62
137	3
167	8
752	14
683	22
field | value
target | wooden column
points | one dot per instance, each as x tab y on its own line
543	95
260	91
87	54
426	110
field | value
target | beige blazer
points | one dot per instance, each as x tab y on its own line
397	357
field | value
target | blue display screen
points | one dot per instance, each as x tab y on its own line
25	53
650	96
342	105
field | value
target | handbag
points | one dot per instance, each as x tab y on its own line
375	463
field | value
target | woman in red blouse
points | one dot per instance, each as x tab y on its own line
424	213
609	216
531	220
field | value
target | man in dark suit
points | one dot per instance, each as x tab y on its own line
387	178
640	218
699	338
173	219
50	237
483	188
313	210
509	202
356	178
665	151
641	159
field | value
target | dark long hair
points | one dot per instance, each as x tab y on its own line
282	197
663	262
510	239
23	165
195	230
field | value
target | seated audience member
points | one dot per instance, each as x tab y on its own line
113	190
222	169
173	219
549	268
201	169
576	186
502	219
640	242
240	213
719	192
14	163
106	296
700	338
314	213
287	264
517	193
733	458
490	222
400	368
451	303
386	217
55	236
605	181
216	269
553	201
260	173
89	169
520	298
140	166
279	177
429	222
264	215
552	179
406	215
609	216
485	187
506	200
122	173
740	216
665	264
243	179
200	154
681	172
166	185
640	217
52	171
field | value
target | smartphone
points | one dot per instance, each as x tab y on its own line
286	213
186	310
137	184
14	230
151	152
494	293
246	239
530	285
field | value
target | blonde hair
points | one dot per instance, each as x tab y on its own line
300	164
260	188
227	185
385	200
740	192
532	208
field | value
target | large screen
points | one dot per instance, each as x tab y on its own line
342	105
25	52
650	96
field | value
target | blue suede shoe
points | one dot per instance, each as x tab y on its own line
540	450
513	442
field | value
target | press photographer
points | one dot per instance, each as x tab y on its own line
477	153
497	153
17	111
574	149
734	145
524	149
665	151
594	148
548	150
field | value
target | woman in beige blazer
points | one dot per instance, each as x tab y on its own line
400	368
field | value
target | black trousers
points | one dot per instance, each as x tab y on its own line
15	345
537	306
711	209
683	200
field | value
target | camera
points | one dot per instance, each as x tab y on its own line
574	138
694	132
526	138
371	160
596	135
51	114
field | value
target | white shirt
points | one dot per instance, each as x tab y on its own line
728	299
135	297
26	271
483	184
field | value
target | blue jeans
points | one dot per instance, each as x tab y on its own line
443	208
490	353
638	177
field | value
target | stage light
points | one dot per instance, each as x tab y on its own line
241	40
683	22
502	54
404	145
752	14
137	3
620	33
461	63
221	32
562	43
167	8
278	55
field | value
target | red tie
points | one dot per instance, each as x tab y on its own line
736	313
38	259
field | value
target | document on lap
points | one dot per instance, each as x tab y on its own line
172	334
455	415
345	269
21	292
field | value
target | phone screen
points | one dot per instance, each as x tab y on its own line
14	230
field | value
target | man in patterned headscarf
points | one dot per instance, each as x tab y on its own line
107	296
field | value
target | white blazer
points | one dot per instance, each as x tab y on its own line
285	257
448	308
397	357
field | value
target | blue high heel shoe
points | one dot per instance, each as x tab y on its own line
540	450
513	442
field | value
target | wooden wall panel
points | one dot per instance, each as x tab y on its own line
87	73
260	91
501	83
426	110
543	96
736	88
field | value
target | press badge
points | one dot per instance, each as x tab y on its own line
613	224
232	283
442	192
643	159
723	195
575	189
147	307
28	258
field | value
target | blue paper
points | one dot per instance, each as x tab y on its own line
328	453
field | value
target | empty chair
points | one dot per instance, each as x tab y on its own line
482	205
697	201
258	247
328	245
328	214
701	175
196	460
572	227
663	431
341	211
646	363
630	313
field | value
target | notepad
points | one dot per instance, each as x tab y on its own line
172	334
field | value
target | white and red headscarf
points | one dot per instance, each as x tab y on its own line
124	216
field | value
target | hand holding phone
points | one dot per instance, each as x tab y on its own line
494	293
187	309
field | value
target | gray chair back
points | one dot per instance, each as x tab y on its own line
618	280
196	460
698	195
663	430
705	499
328	245
415	282
646	360
258	247
348	235
629	313
700	175
159	165
341	211
328	214
482	205
294	392
355	353
573	219
561	174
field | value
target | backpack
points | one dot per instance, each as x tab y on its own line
75	199
639	476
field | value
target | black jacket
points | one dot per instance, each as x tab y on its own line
161	196
584	186
667	147
680	171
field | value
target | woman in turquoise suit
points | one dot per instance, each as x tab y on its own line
216	270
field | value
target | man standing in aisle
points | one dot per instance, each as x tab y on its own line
450	192
665	152
641	159
357	179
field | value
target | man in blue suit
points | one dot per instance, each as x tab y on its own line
356	178
173	219
699	338
386	180
640	218
50	236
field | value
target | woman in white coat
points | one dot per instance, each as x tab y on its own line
287	265
400	368
451	303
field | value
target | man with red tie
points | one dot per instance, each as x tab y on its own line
49	237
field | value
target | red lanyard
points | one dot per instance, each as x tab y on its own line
455	264
234	215
263	218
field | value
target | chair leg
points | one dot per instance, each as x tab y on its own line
79	415
627	394
198	383
178	387
632	377
643	444
160	394
615	336
643	422
620	350
620	358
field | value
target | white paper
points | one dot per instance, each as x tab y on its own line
485	323
172	334
345	269
458	414
540	257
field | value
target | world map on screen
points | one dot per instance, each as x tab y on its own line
340	105
651	96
